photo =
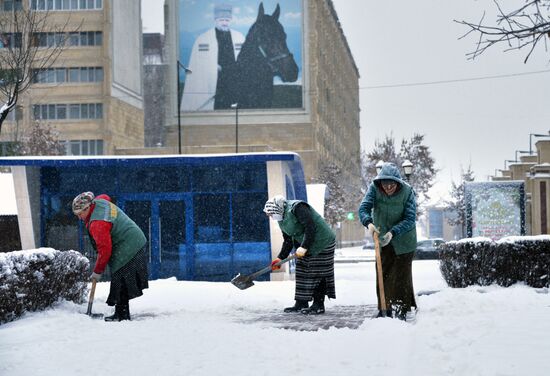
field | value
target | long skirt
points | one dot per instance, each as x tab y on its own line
397	278
311	271
129	281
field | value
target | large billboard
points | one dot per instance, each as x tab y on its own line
495	209
245	52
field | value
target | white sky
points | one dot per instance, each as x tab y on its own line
479	122
213	328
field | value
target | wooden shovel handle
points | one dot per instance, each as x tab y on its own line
381	292
91	298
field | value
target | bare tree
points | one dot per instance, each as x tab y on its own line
522	28
457	204
23	35
336	205
40	140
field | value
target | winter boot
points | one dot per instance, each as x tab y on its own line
299	305
122	312
317	308
386	314
401	312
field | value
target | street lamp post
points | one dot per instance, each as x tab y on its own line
236	107
178	99
407	168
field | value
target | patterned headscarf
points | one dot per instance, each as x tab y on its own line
82	202
276	205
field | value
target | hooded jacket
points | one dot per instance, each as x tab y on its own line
395	213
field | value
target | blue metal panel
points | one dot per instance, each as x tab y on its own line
213	261
250	257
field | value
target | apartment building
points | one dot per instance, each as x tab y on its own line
93	94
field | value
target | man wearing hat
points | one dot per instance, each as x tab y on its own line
389	208
119	243
213	65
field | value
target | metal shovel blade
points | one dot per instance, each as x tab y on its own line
245	281
242	281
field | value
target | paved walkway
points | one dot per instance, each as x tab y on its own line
336	316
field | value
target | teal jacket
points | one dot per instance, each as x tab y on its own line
395	214
324	236
126	237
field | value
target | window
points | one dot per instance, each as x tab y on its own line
211	213
250	224
56	4
10	5
76	111
85	38
10	40
84	147
60	74
74	74
61	111
7	148
15	114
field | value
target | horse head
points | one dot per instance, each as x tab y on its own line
270	38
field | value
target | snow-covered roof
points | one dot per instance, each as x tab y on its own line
148	159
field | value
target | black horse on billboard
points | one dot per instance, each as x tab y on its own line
264	55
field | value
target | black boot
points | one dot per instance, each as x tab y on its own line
401	313
297	307
317	308
386	313
122	312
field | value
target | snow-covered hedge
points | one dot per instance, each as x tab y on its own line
34	279
481	261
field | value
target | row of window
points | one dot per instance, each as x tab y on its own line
10	5
12	40
68	111
72	147
66	4
83	147
74	39
60	75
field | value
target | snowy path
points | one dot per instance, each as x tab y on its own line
200	328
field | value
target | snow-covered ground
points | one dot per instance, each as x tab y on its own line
202	328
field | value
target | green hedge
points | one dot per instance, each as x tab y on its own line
35	279
481	261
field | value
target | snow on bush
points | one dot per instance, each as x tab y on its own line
35	279
482	261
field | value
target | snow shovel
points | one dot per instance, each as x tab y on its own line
380	275
245	281
91	302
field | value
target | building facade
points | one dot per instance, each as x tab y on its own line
534	171
93	94
324	128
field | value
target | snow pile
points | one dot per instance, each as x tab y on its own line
212	328
482	261
34	279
